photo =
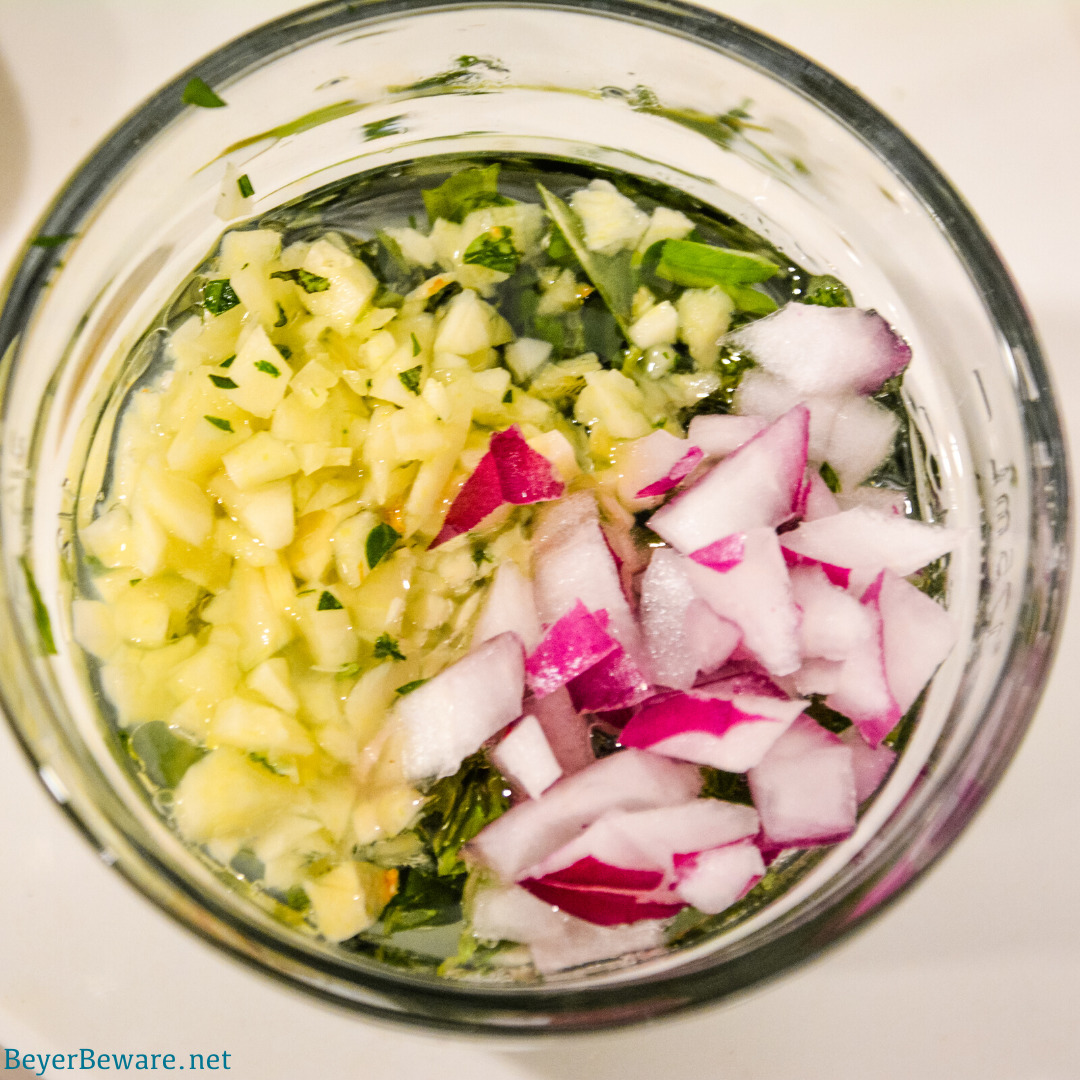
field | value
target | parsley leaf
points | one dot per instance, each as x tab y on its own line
495	250
285	351
329	602
411	379
387	647
220	423
282	318
223	382
267	368
199	93
379	543
218	296
228	362
244	184
415	345
828	474
307	281
409	687
462	192
695	265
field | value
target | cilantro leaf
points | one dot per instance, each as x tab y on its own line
267	368
699	266
462	192
387	647
309	282
329	602
495	250
244	184
218	296
415	345
199	93
411	379
228	361
282	318
379	542
223	382
220	422
727	786
409	687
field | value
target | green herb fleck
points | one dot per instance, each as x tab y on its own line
828	474
379	129
218	296
386	647
296	899
347	671
409	687
52	241
228	362
223	382
41	613
165	757
508	397
462	192
267	368
244	184
411	379
824	290
329	602
379	542
199	93
829	719
265	762
495	250
220	423
699	266
423	899
285	352
415	345
480	556
727	786
135	581
282	318
310	283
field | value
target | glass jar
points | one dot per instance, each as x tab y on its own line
659	89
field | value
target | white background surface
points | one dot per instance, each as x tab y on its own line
974	975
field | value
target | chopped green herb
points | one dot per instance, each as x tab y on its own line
463	192
379	129
265	762
828	474
480	556
228	361
199	93
508	397
282	318
828	718
610	274
310	283
409	687
218	296
223	382
135	581
165	757
244	184
495	250
379	543
329	602
41	613
220	422
296	899
349	671
387	647
423	899
411	379
824	290
267	368
699	266
727	786
52	241
285	352
415	345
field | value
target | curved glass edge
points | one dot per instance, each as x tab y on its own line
552	1010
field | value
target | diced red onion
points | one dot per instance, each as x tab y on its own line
758	485
604	907
571	645
614	682
679	471
722	555
871	764
713	880
525	756
833	621
804	787
721	434
509	605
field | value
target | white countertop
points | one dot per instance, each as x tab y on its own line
976	974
